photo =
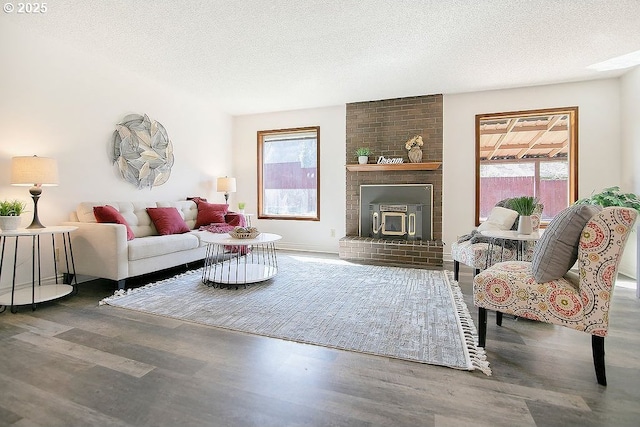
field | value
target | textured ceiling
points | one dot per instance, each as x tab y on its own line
269	55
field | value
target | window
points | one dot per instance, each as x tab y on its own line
527	153
288	174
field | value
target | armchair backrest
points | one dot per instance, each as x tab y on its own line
599	252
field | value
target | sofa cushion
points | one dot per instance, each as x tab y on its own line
499	219
557	250
211	213
109	214
167	220
152	246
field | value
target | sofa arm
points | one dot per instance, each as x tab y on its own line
99	250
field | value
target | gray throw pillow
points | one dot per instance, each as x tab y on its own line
557	250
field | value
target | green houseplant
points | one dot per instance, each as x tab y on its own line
525	206
12	207
363	155
613	196
10	211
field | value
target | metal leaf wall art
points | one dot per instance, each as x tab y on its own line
142	151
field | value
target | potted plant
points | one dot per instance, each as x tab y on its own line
10	211
612	196
525	206
241	206
363	155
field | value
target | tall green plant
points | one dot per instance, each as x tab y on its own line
612	196
524	205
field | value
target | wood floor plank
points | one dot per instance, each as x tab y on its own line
33	406
88	354
36	325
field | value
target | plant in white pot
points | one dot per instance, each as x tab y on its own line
363	155
10	211
525	206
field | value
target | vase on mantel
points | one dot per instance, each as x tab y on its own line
415	155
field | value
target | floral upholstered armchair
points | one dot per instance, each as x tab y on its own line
545	290
472	249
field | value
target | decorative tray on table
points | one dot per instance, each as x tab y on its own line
244	233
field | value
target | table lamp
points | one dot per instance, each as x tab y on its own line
36	172
226	185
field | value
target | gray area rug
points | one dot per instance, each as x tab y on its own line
404	313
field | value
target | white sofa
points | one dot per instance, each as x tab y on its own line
102	250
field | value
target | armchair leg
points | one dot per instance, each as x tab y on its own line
597	347
456	270
499	318
482	326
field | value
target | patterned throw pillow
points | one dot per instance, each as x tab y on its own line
557	250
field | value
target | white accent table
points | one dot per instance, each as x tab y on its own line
251	261
495	235
38	292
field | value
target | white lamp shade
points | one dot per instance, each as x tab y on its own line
34	170
227	185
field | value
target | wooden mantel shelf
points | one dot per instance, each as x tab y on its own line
371	167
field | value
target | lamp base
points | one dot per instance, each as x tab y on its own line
35	195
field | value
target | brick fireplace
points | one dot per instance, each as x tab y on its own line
384	127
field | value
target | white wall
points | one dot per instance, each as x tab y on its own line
301	235
630	101
64	104
599	149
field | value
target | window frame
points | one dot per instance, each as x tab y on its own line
571	112
261	136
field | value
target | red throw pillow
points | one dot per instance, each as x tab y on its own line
110	215
210	213
167	221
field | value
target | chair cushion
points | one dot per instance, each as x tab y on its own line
499	219
109	214
167	220
557	250
508	287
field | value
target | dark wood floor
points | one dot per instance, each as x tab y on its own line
73	363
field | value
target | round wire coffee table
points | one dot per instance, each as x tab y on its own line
251	260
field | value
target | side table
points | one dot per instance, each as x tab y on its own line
514	236
39	293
